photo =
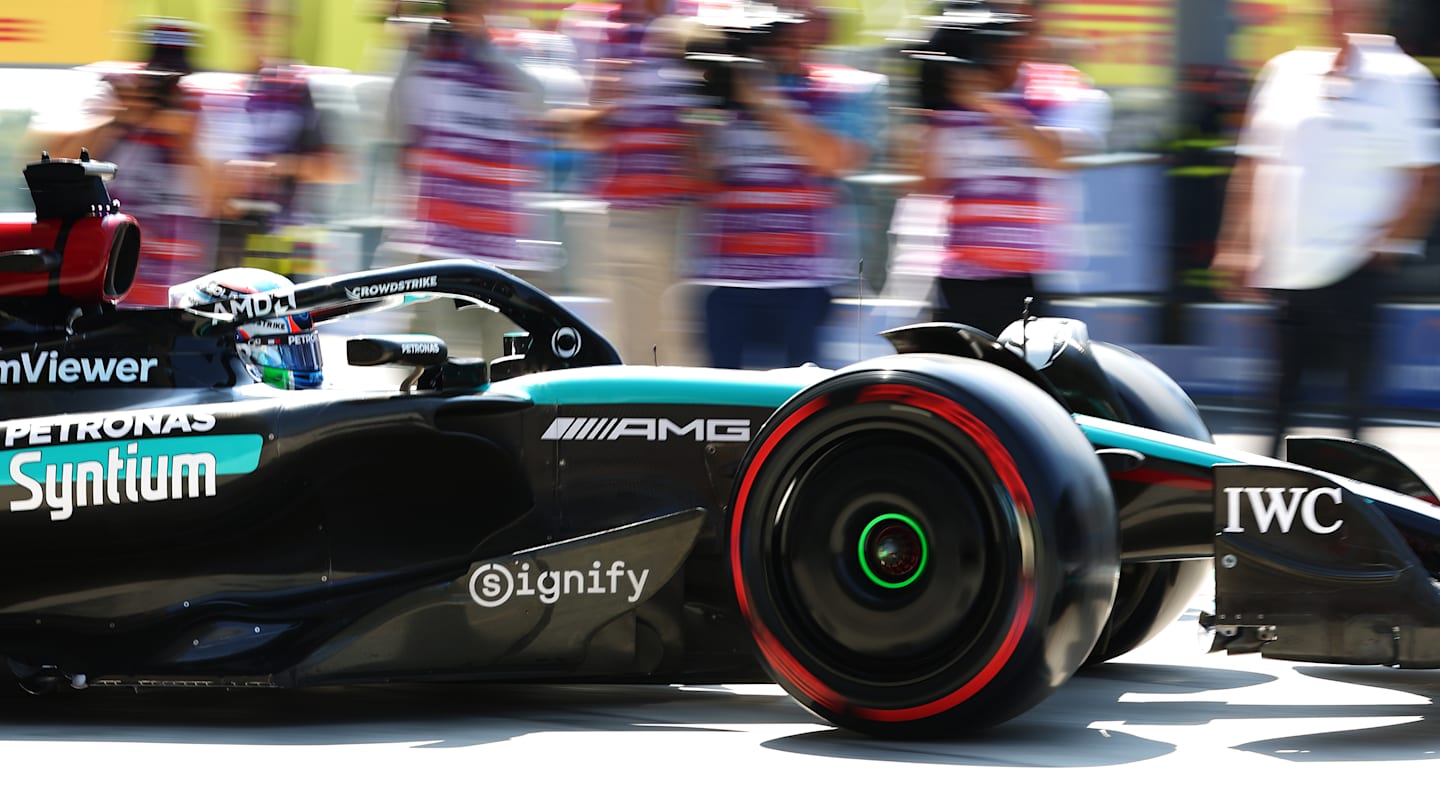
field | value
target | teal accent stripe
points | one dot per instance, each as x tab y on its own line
234	454
1172	448
632	385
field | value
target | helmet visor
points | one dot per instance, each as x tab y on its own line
298	353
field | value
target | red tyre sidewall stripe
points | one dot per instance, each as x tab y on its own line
1004	465
771	647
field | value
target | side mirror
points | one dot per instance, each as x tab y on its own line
402	350
422	352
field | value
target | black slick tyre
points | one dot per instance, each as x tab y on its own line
922	545
1150	595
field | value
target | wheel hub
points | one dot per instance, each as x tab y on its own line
893	550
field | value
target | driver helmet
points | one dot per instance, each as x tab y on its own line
282	351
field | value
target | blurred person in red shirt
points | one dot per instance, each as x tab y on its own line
273	141
777	233
642	123
150	131
468	118
996	134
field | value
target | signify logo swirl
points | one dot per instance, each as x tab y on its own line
494	584
61	479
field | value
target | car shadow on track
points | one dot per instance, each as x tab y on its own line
448	715
1415	734
431	715
1080	726
1058	732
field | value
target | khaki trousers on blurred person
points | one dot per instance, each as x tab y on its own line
654	317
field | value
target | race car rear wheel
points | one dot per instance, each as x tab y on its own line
922	545
1151	595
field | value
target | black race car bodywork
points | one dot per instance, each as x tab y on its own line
921	543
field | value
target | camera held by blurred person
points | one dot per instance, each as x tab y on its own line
1334	185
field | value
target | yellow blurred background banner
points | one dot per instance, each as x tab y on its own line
337	33
1265	28
64	32
1120	43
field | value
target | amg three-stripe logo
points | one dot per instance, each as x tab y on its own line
1280	506
599	429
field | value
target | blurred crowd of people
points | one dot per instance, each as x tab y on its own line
235	149
718	147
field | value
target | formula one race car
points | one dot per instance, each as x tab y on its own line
922	543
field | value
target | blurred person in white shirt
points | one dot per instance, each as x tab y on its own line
1335	183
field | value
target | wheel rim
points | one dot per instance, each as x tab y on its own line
881	558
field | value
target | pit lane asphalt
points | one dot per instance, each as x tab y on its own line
1169	725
